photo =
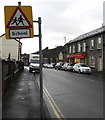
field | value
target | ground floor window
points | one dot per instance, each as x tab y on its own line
92	61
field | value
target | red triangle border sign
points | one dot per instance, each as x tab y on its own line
29	24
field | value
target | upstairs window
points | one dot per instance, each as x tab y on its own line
70	49
91	44
73	48
99	43
79	47
84	47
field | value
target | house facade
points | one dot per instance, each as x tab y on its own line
87	48
53	55
10	48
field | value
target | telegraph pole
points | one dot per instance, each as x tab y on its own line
103	49
103	39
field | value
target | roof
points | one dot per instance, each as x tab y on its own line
2	35
14	39
89	34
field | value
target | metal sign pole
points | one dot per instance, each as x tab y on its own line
41	80
40	55
19	3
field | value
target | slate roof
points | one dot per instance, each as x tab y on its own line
87	35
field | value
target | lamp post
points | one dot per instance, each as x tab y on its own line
64	49
64	40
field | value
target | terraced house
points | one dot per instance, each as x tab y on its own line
87	48
10	47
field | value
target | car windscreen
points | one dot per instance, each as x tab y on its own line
83	65
71	64
34	61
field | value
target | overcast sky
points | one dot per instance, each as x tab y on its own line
60	18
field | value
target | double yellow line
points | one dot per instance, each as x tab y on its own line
56	110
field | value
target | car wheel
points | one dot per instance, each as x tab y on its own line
79	71
73	70
30	70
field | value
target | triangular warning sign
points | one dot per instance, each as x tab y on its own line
18	20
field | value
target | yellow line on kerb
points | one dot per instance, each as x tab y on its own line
56	110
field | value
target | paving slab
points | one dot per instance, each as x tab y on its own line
23	99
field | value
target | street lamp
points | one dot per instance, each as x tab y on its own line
64	40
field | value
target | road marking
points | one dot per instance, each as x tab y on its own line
56	110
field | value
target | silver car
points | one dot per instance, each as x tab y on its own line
64	67
70	66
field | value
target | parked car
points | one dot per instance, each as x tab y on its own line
64	67
45	65
58	66
81	68
70	66
49	66
53	64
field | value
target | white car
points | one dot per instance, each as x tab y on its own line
49	66
81	68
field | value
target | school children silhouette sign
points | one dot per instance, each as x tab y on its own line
18	22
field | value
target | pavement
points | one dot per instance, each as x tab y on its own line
99	75
23	99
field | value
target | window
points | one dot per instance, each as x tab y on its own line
73	48
99	43
92	61
70	49
84	47
79	47
91	44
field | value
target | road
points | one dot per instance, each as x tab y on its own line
73	95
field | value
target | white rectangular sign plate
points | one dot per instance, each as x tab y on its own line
19	33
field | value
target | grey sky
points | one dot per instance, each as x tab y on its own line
60	18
